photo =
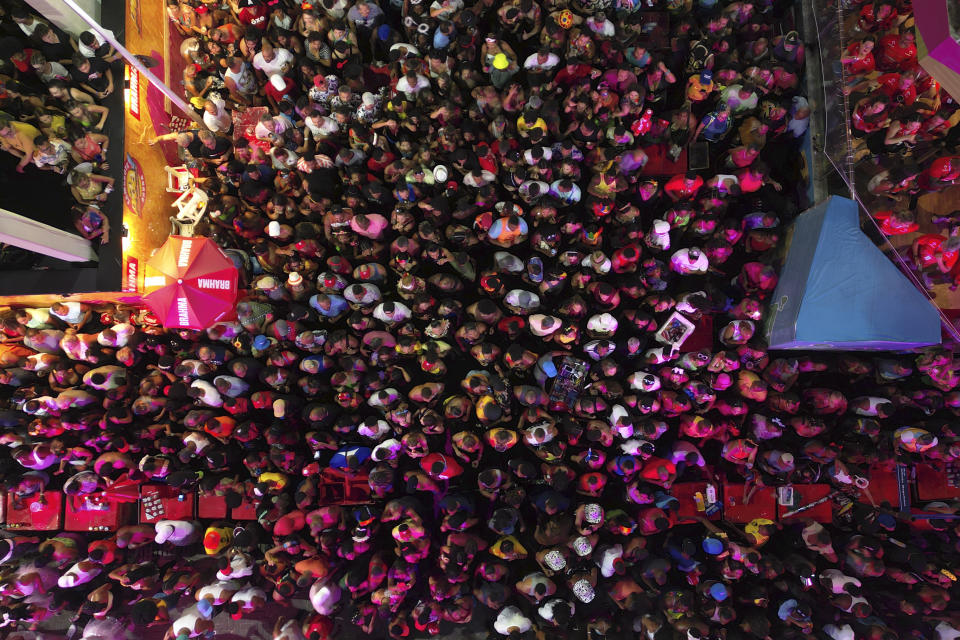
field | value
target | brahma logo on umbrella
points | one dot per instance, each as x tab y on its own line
190	283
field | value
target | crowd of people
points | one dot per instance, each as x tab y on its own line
51	118
905	133
467	290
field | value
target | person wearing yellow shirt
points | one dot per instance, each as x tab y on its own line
17	138
508	548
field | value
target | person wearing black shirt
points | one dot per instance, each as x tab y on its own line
54	44
92	75
213	149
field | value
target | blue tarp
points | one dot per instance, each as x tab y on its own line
838	291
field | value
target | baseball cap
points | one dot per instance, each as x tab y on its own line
706	76
719	592
712	546
205	608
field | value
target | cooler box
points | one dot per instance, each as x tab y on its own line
937	483
693	507
804	494
89	515
763	504
41	512
162	502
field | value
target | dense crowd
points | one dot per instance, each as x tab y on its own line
51	87
905	133
469	292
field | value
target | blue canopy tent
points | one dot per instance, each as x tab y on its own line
838	291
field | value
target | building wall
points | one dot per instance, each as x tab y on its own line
63	16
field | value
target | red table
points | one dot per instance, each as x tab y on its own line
763	504
336	487
805	494
659	162
701	338
883	486
110	517
214	507
211	506
684	492
246	511
41	512
162	502
934	483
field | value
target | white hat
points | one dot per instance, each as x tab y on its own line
294	278
278	82
661	227
368	99
273	229
440	173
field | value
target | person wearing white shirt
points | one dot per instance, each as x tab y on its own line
511	619
272	60
541	61
215	115
324	597
179	533
412	83
689	261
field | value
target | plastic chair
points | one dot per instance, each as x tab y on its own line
191	205
178	179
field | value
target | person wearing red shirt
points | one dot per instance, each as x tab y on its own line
941	173
253	14
573	73
894	85
896	223
897	52
683	186
858	58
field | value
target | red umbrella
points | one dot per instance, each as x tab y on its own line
190	283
